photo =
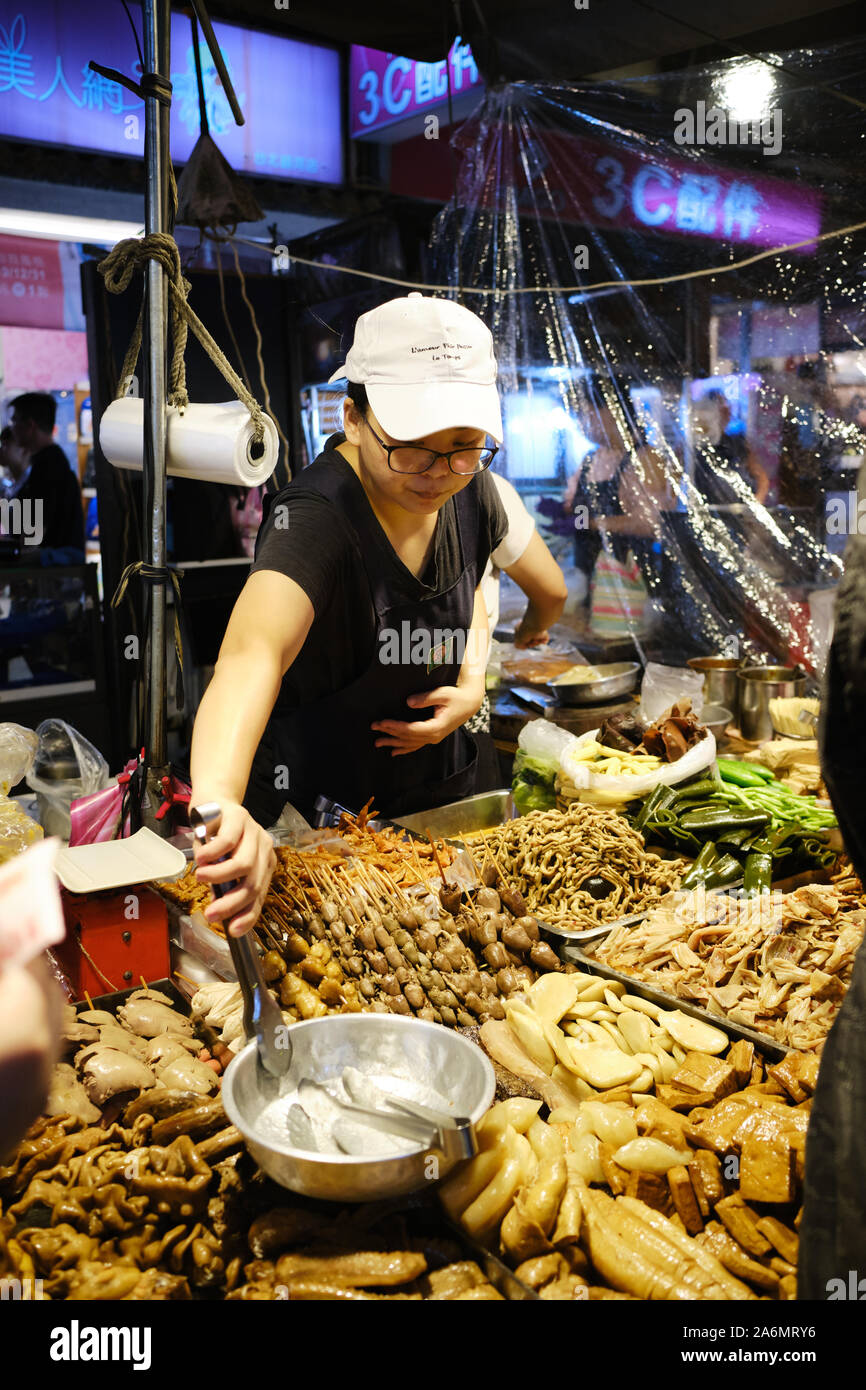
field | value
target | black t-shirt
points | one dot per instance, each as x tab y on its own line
307	539
52	482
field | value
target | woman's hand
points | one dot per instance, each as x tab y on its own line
251	861
453	705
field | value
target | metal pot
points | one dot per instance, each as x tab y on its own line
616	678
321	1049
720	680
758	685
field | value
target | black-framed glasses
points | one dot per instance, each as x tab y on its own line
412	458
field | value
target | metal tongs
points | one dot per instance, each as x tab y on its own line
453	1135
262	1018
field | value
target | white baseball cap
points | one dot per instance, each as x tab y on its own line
428	365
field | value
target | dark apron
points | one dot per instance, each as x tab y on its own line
328	746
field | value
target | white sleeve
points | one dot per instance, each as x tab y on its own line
520	525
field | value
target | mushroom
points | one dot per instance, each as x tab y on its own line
108	1071
148	1017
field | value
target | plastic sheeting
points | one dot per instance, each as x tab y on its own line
676	387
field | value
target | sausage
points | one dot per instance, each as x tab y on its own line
506	980
415	996
450	898
490	875
514	901
544	956
516	939
529	925
484	932
488	899
496	955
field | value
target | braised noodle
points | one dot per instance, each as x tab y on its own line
550	855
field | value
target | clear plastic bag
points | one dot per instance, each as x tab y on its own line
17	751
662	686
66	767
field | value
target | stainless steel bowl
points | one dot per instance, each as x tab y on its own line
379	1044
716	718
617	678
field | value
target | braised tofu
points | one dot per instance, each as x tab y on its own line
713	1076
781	1237
650	1188
657	1121
729	1253
705	1172
742	1224
742	1058
716	1131
768	1169
678	1098
797	1074
684	1199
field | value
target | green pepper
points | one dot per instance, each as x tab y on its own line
697	790
744	774
698	871
758	874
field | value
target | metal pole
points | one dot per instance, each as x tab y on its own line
155	25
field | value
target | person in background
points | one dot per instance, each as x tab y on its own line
616	498
524	557
725	459
14	461
50	485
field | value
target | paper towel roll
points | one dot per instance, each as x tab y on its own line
212	443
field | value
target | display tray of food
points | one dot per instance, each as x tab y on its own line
778	964
134	1185
670	1162
665	1000
577	868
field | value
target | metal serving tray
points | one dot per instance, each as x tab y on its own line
737	1031
480	812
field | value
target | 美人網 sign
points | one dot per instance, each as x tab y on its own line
386	88
289	91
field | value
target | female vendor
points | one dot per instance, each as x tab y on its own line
356	651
